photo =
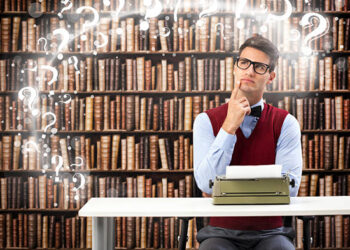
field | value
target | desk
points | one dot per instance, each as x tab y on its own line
103	211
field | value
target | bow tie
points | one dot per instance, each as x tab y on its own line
256	111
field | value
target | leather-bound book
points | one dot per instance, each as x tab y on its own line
170	72
188	113
339	112
129	74
347	157
166	115
130	232
148	75
206	74
186	35
181	76
328	152
328	73
118	114
123	80
149	114
163	154
89	113
311	154
216	74
130	112
113	115
32	231
188	65
153	143
340	155
346	230
155	123
115	151
130	152
105	113
146	154
162	31
137	112
161	113
229	73
153	34
167	147
176	154
140	62
105	152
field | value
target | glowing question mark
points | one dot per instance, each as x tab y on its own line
318	32
288	12
54	73
75	59
23	94
57	159
54	130
65	39
65	8
81	163
68	100
29	145
120	7
104	38
45	43
82	184
94	21
153	11
177	6
212	8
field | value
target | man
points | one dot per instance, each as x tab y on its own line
236	134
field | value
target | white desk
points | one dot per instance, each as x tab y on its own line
104	209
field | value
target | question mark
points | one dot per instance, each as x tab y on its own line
75	59
94	21
23	93
65	39
212	8
104	38
54	73
59	163
65	96
45	43
239	9
318	32
82	184
155	10
29	145
120	7
81	163
65	8
54	130
272	17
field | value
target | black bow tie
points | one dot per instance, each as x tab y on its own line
256	111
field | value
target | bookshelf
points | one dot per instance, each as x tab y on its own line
127	109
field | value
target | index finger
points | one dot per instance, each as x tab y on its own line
235	90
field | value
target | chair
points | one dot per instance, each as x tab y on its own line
287	222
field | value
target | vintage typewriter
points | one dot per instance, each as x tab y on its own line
251	191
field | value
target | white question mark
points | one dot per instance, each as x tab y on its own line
75	59
31	69
272	17
177	6
23	94
54	73
153	11
54	130
45	43
57	159
82	183
94	21
104	38
120	7
318	32
81	163
65	39
29	145
212	8
239	9
65	8
68	100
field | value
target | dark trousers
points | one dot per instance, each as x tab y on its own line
215	238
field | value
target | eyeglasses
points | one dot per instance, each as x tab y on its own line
259	68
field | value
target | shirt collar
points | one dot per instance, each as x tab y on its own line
261	103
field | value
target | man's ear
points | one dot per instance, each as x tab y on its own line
271	77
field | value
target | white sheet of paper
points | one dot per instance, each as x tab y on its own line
253	171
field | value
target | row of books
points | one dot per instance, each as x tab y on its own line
185	6
104	152
329	151
331	232
324	185
317	113
35	230
62	192
207	34
192	73
137	113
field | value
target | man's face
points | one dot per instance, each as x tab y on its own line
252	82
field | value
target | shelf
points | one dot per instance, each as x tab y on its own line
331	171
176	92
38	210
150	132
99	171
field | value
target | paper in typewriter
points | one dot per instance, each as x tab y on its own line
253	171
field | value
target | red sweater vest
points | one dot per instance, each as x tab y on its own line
259	148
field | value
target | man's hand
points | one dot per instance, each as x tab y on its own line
238	108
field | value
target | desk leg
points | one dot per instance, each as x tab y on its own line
103	231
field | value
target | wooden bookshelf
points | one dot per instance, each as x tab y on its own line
169	169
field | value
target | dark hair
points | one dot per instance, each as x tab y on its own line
265	45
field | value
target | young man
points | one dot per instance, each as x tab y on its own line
246	131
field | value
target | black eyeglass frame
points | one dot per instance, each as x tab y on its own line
254	63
